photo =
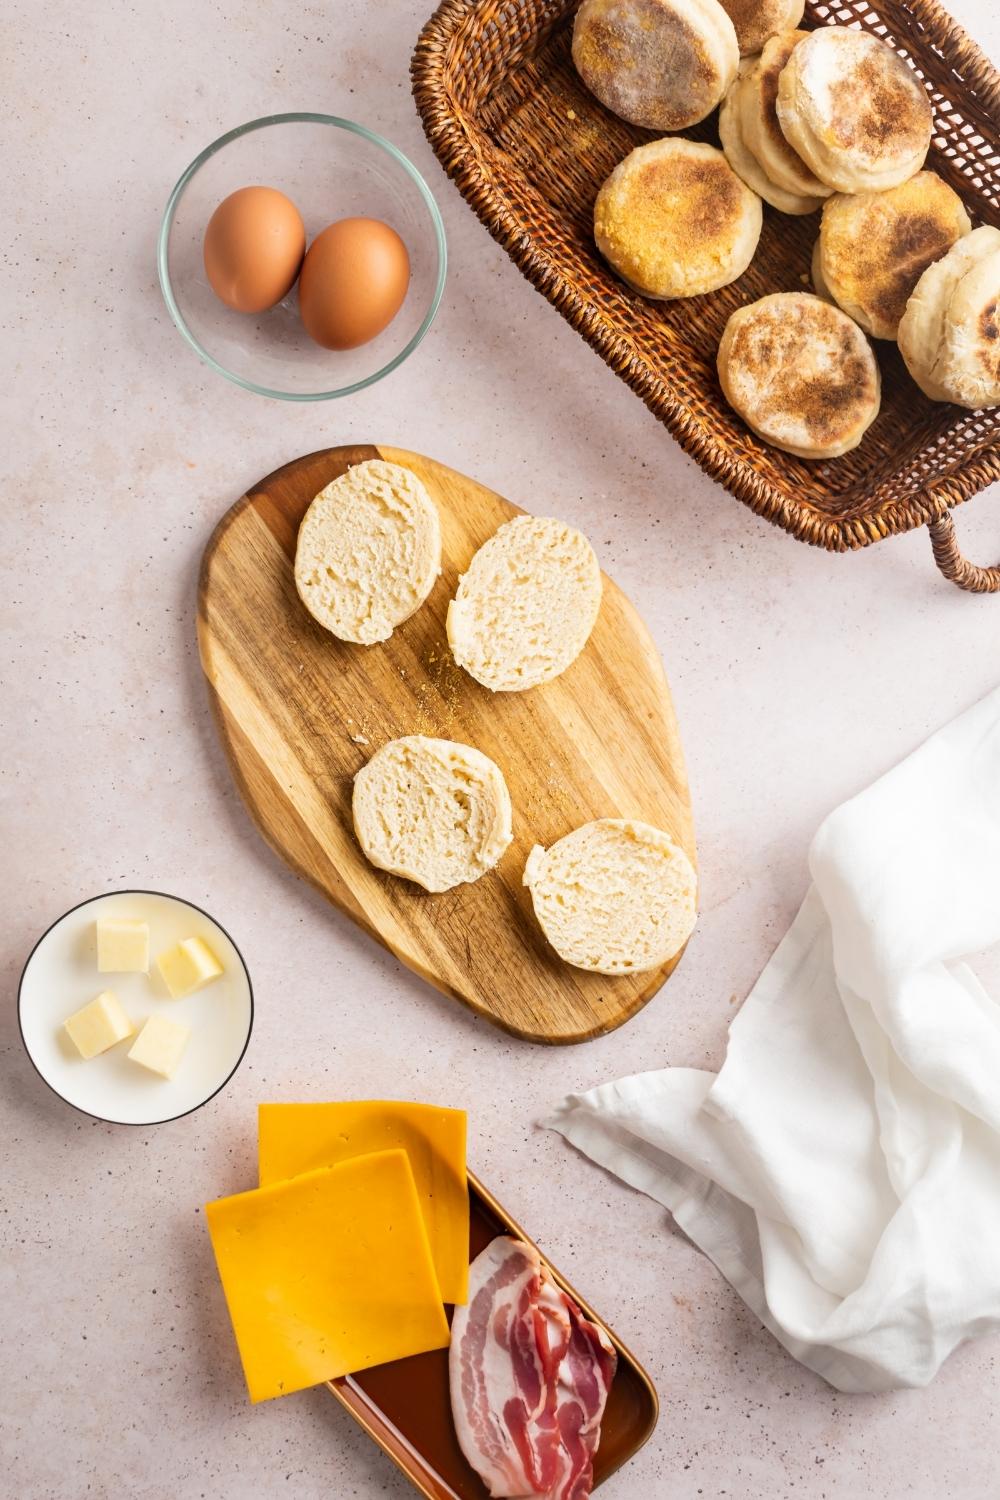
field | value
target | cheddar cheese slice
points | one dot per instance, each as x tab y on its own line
327	1273
294	1138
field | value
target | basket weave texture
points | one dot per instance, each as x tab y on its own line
529	146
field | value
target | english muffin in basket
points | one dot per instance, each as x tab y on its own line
674	220
662	64
816	272
800	373
746	165
949	334
759	121
874	247
433	811
856	114
756	21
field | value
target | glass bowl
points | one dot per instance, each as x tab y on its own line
330	169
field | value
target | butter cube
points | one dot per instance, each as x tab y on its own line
122	946
159	1045
97	1026
188	966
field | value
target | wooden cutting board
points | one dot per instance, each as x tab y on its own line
300	712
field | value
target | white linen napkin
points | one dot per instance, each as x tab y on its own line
843	1168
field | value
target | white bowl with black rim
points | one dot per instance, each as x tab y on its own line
61	975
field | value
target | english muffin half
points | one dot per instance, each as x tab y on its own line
856	114
368	551
756	21
800	373
526	605
674	220
949	334
874	247
432	811
759	118
615	896
662	64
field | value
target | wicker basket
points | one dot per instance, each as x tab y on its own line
528	147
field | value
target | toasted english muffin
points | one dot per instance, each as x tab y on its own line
432	811
526	605
615	896
662	64
949	334
674	220
800	373
745	164
368	551
756	21
858	117
874	247
759	119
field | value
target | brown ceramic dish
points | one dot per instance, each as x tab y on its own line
405	1406
529	147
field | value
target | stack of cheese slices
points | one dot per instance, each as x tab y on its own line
345	1255
615	895
831	120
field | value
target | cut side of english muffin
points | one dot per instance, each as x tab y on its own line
614	897
800	373
854	112
674	219
432	811
368	552
526	606
662	64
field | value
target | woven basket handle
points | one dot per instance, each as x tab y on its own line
948	556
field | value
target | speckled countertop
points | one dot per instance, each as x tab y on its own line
798	677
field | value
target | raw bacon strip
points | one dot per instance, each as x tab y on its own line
530	1376
482	1370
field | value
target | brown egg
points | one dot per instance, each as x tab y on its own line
253	248
353	283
